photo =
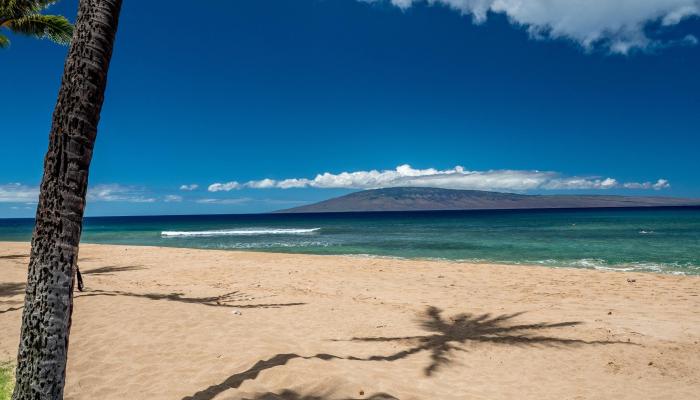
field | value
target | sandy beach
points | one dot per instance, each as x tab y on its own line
165	323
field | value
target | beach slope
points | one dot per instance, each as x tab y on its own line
165	323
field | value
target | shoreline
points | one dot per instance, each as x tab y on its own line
178	323
616	268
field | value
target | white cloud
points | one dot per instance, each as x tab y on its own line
21	208
453	178
617	25
263	184
690	40
115	192
18	193
224	187
172	198
661	184
681	12
658	185
190	187
224	201
292	183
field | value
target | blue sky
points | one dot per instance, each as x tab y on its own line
264	97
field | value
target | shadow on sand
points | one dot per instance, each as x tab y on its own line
14	256
224	300
445	337
110	270
292	395
448	336
234	381
16	288
11	289
11	309
231	299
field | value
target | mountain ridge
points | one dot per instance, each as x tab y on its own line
435	199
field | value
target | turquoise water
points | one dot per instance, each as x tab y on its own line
658	240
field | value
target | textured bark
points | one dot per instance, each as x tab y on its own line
48	304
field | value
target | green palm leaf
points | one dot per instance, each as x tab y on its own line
23	7
23	17
54	27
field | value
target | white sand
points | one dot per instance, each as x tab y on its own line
177	323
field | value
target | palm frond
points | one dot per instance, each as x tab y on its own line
54	27
4	41
18	7
13	9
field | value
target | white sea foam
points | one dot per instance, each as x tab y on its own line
589	263
673	268
665	268
374	256
270	245
240	232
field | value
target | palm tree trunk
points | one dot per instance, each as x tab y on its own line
48	303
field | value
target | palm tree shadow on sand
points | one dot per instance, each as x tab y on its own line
7	290
449	335
236	380
14	257
231	299
446	337
10	289
292	395
111	269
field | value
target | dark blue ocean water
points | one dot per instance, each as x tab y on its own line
659	240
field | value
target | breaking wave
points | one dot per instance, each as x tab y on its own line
240	232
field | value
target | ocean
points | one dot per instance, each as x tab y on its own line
664	240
